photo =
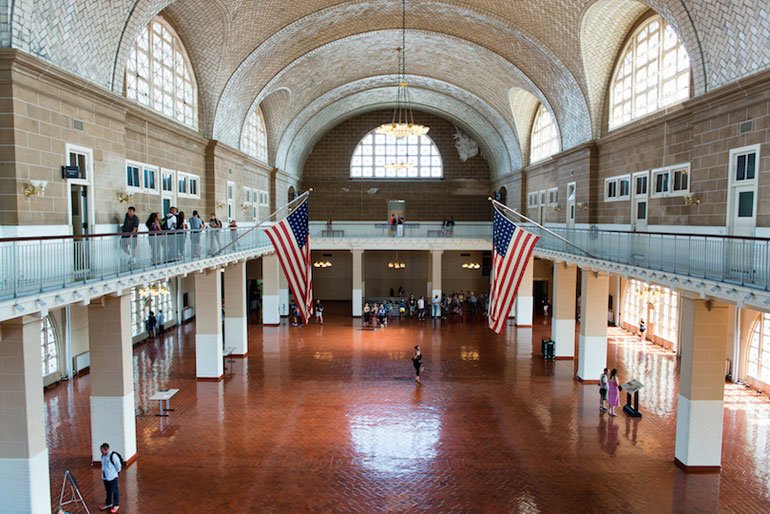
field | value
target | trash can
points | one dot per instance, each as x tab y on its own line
547	348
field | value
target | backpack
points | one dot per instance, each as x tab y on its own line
120	459
164	223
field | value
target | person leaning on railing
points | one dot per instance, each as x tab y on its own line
215	244
153	226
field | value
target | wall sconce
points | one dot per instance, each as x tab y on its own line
396	265
556	208
35	188
690	200
245	206
220	205
125	197
582	206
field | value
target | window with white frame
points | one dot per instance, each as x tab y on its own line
553	196
671	181
759	350
653	72
532	200
230	199
141	178
167	181
159	74
640	184
264	198
142	305
187	185
571	192
544	141
617	188
254	135
50	351
419	154
247	195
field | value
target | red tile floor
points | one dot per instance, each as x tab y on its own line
329	419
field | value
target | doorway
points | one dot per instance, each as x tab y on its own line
571	205
80	198
639	202
397	208
541	196
742	201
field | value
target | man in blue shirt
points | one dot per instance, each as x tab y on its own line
110	468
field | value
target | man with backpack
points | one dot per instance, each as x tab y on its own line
112	464
169	222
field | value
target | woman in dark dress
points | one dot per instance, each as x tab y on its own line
417	361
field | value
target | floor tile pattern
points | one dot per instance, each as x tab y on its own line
329	419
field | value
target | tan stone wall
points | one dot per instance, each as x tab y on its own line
462	193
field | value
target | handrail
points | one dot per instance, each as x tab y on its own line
111	234
681	234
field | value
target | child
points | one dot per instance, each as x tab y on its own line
319	312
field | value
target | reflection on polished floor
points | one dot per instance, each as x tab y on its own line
329	419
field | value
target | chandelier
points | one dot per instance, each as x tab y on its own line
154	290
403	124
397	264
322	264
471	265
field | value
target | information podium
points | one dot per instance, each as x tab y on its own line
70	492
632	387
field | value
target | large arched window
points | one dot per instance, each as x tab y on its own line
759	350
653	72
48	346
254	136
375	151
159	74
544	141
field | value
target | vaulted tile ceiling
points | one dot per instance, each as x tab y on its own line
483	64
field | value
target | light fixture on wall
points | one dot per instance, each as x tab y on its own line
691	200
35	188
556	208
403	124
245	206
582	206
125	197
322	264
220	205
471	265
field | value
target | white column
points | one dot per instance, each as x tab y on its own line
113	418
436	263
358	278
208	325
524	300
283	294
700	411
236	331
24	479
592	345
271	312
563	321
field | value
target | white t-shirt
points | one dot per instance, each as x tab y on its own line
420	303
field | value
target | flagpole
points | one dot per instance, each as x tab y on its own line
554	234
265	220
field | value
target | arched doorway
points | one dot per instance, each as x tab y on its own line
292	193
502	196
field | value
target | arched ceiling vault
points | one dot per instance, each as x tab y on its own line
238	47
443	99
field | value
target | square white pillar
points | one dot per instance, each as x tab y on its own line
592	343
208	325
524	301
271	312
358	280
236	326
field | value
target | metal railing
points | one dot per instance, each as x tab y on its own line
35	265
734	260
422	229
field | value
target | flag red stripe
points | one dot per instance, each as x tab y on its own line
285	249
504	283
516	277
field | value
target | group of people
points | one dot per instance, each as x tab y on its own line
448	226
296	315
609	391
171	247
155	325
456	304
396	226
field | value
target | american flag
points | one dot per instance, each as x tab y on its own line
290	238
512	247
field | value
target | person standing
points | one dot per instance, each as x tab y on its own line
151	321
400	227
392	224
215	242
319	312
450	225
129	228
196	225
603	385
473	303
613	393
169	226
383	314
436	303
421	308
111	466
234	234
412	305
153	227
161	322
417	362
642	329
546	307
367	310
181	237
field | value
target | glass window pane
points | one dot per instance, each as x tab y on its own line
746	204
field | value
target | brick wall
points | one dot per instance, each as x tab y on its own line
462	193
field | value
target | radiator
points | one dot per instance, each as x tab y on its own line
81	362
187	313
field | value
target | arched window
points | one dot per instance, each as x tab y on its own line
159	74
653	72
759	350
544	141
48	346
375	151
254	136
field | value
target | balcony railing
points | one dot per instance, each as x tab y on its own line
35	265
431	229
735	260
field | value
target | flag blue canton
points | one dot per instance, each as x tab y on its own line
298	221
502	232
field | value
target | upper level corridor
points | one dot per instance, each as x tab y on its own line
328	418
33	271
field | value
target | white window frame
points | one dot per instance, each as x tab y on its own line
139	167
254	135
374	151
553	196
733	182
544	136
669	172
264	199
639	174
188	178
165	172
247	195
617	183
532	200
230	196
156	171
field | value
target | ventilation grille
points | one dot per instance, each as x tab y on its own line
747	126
